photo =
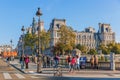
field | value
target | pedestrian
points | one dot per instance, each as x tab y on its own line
8	60
73	62
27	60
22	61
56	60
35	59
77	62
92	62
51	61
48	61
44	61
69	61
95	61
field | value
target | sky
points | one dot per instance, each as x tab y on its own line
79	14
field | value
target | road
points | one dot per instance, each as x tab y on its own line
10	73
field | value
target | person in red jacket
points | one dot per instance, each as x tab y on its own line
73	62
27	61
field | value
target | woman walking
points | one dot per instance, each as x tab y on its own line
73	62
26	61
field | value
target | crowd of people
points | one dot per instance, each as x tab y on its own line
25	59
73	62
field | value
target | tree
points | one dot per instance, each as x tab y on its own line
105	49
66	39
92	52
44	40
82	48
32	39
116	48
111	47
29	40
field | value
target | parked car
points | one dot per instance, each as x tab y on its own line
83	61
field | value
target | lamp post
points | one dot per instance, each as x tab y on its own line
11	50
39	62
23	30
22	56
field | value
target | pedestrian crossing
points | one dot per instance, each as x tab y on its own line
16	76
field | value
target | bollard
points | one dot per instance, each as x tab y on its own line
112	61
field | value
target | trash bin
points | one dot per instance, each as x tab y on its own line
83	62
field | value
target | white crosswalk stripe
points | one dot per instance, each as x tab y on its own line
34	77
7	76
20	76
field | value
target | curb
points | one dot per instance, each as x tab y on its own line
17	68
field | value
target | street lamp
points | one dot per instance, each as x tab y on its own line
23	30
11	49
22	56
39	62
11	44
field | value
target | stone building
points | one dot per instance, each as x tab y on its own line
54	27
105	34
34	27
89	37
5	48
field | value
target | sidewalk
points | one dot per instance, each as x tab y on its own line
65	73
16	64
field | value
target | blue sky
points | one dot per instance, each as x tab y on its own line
78	13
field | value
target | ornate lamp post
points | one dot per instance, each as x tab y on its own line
23	30
39	62
22	56
11	44
11	49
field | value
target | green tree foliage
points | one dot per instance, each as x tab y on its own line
115	48
29	40
66	39
44	39
82	48
67	35
112	47
32	39
58	48
92	52
104	49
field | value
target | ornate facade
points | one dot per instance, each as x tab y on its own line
89	37
54	27
105	34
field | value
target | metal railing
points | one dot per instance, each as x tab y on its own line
102	65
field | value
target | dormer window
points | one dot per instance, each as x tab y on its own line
106	29
58	26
